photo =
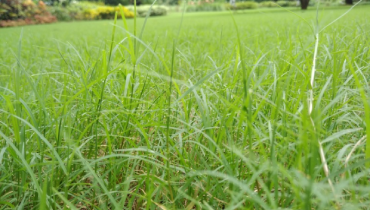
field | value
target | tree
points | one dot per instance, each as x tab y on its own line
349	2
10	9
304	4
60	2
116	2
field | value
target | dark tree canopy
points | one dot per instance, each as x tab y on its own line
116	2
304	4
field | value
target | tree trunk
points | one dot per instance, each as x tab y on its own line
349	2
304	4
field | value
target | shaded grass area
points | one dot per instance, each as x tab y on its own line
189	115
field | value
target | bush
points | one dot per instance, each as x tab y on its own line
143	10
17	13
105	12
283	3
268	4
61	13
74	11
90	14
19	9
155	11
126	12
37	19
242	5
9	9
278	3
116	2
26	12
205	7
293	4
13	23
311	3
42	19
88	11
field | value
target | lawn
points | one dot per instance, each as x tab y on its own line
200	111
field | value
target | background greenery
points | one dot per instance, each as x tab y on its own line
194	113
29	12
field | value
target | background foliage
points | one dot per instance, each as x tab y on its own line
192	117
19	12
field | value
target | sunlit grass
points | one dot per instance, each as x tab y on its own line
190	116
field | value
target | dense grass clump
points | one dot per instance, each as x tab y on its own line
192	113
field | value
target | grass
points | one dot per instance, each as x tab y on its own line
211	118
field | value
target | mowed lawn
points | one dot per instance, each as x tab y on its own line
197	111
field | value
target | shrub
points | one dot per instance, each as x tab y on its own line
71	12
278	3
37	19
90	14
293	4
283	3
42	19
12	23
61	13
88	11
155	11
15	9
116	2
17	13
25	12
105	12
143	10
242	5
126	12
268	4
9	9
205	7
